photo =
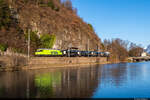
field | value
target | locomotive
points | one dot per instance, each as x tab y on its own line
69	53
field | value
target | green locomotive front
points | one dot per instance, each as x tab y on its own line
48	52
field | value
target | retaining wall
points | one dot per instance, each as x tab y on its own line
13	63
49	62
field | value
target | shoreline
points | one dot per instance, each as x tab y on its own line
37	63
32	67
62	66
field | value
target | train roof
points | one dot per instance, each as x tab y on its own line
47	49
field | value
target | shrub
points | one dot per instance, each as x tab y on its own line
3	47
47	41
51	4
56	9
33	37
90	25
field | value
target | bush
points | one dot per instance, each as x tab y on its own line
90	25
33	37
56	9
47	41
3	47
51	4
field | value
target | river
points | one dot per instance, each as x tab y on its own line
123	80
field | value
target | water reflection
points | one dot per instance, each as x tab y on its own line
111	80
60	83
115	74
12	84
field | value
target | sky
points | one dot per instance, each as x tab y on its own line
125	19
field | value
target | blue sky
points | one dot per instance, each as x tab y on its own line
125	19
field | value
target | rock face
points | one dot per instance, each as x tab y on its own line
70	30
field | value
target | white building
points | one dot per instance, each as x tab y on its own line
144	54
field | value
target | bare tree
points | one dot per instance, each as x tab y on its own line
68	4
135	50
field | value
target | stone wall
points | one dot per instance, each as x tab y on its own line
18	63
12	61
49	62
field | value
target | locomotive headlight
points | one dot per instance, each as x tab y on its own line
78	53
92	53
64	52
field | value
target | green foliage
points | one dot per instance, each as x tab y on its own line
3	47
5	15
102	46
51	4
56	9
47	41
43	5
33	37
90	25
44	83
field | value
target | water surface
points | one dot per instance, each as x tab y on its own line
124	80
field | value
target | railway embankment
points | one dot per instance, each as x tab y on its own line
13	63
58	62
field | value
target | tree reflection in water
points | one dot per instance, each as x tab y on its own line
51	83
111	80
114	74
67	83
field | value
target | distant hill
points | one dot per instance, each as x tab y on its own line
45	16
148	49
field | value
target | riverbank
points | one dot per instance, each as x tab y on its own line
19	63
35	67
59	62
12	62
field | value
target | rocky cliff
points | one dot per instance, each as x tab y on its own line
52	17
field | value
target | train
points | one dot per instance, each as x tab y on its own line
69	53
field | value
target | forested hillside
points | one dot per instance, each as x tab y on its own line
51	23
